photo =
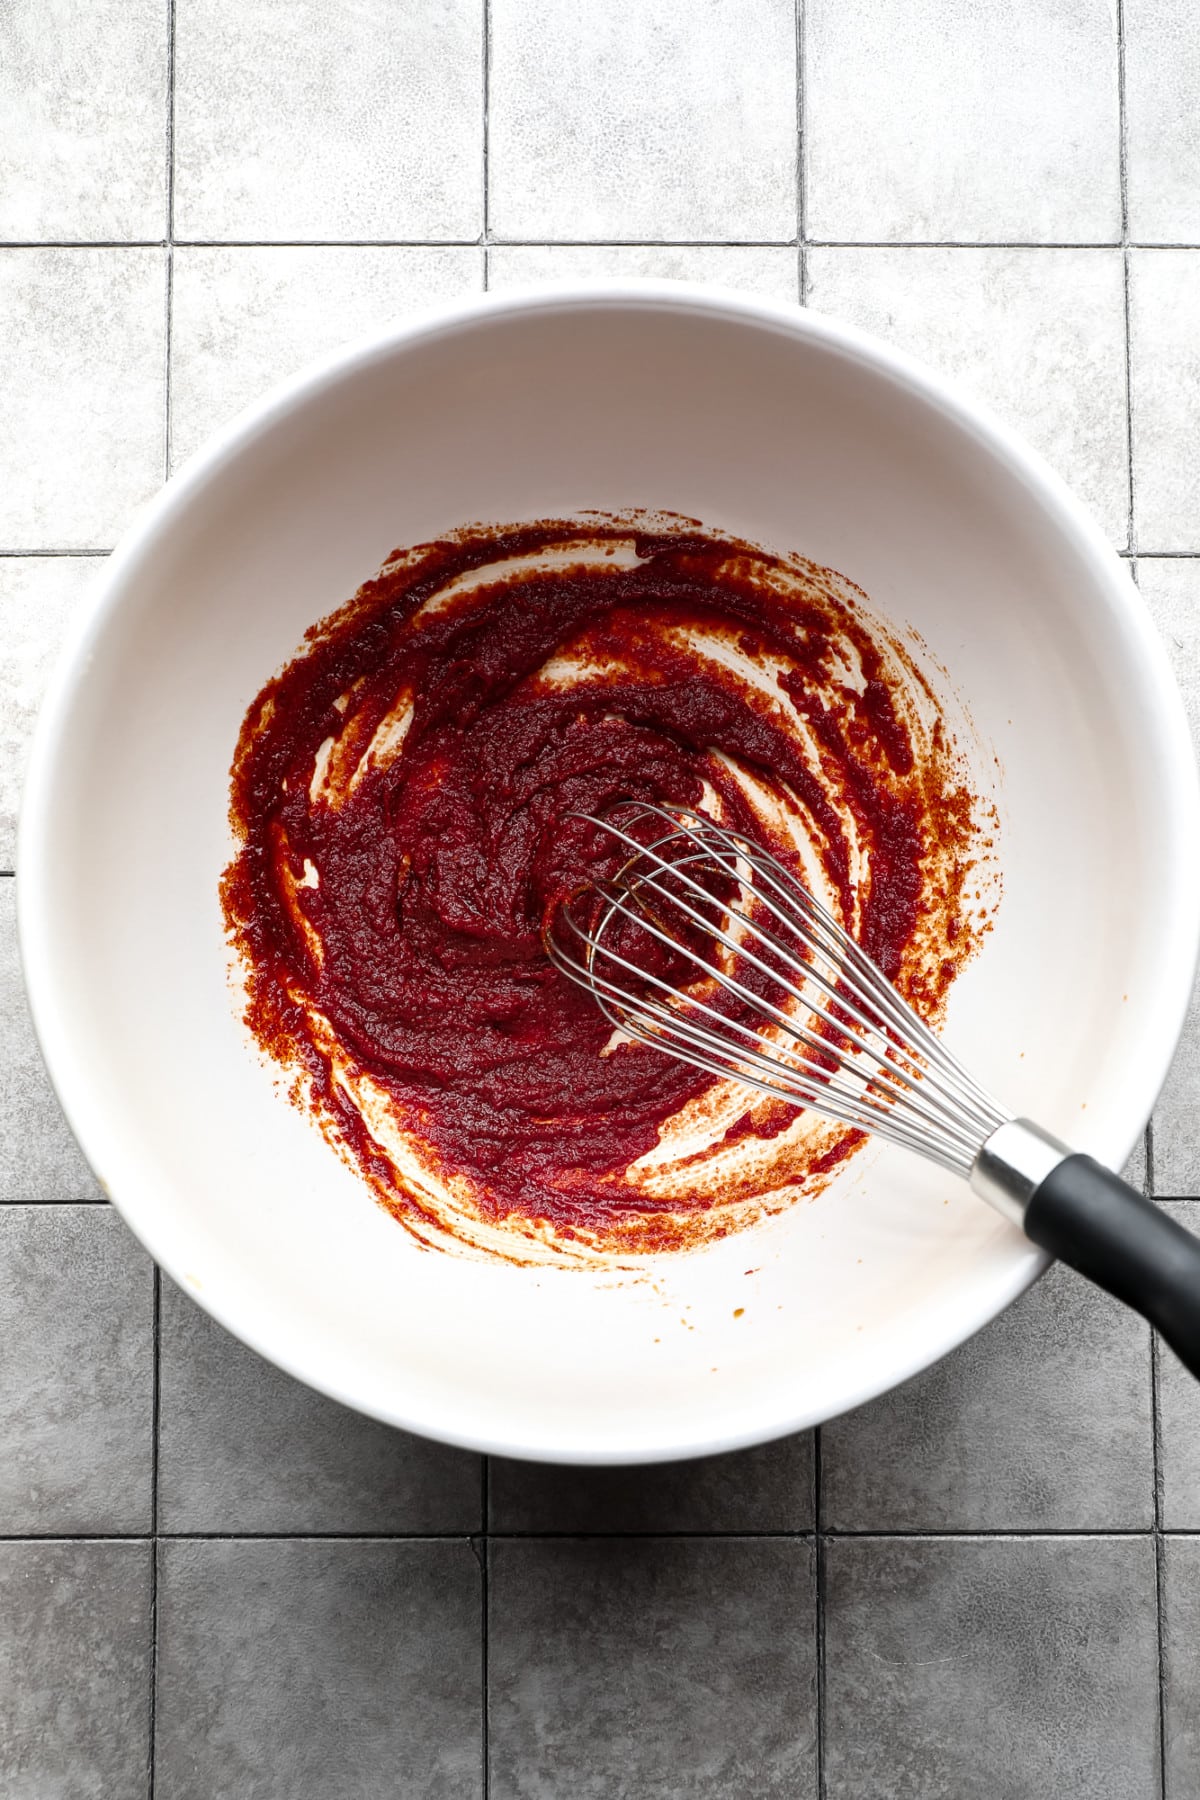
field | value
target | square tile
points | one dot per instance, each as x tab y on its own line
82	370
632	120
39	1159
76	1419
769	1488
1179	1421
651	1666
1181	1666
945	120
991	1669
243	318
328	122
1171	589
38	599
1164	377
1037	334
1162	121
83	120
770	269
1041	1422
244	1448
297	1669
74	1671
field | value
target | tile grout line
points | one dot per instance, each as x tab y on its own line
474	243
1156	1474
801	149
485	1621
819	1605
155	1387
486	235
170	232
1116	1533
976	244
170	237
1123	167
1162	1685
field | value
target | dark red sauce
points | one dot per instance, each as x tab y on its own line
402	797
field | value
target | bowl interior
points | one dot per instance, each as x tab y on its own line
754	420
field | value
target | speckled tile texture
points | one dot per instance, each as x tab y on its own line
345	1667
651	1666
297	121
216	1585
991	1668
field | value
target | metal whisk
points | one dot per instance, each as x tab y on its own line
707	948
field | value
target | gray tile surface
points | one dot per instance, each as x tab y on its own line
1041	1422
621	121
947	120
1164	317
83	120
244	318
1171	589
1179	1420
991	1669
651	1666
74	1671
76	1394
316	172
766	1489
1037	334
39	1159
302	1669
308	122
38	599
1181	1666
82	370
1162	92
244	1448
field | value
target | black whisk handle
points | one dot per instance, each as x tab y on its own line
1091	1219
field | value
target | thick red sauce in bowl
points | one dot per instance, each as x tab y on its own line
403	797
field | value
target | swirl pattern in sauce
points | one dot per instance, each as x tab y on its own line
402	797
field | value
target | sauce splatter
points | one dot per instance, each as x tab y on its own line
402	800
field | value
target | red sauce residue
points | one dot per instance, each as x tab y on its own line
401	797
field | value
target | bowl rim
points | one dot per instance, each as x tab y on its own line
1179	798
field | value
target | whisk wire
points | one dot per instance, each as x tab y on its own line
888	1065
688	1046
822	927
853	1049
882	1070
837	942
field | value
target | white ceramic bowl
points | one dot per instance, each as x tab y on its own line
771	423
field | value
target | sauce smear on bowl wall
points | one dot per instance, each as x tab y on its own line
403	798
